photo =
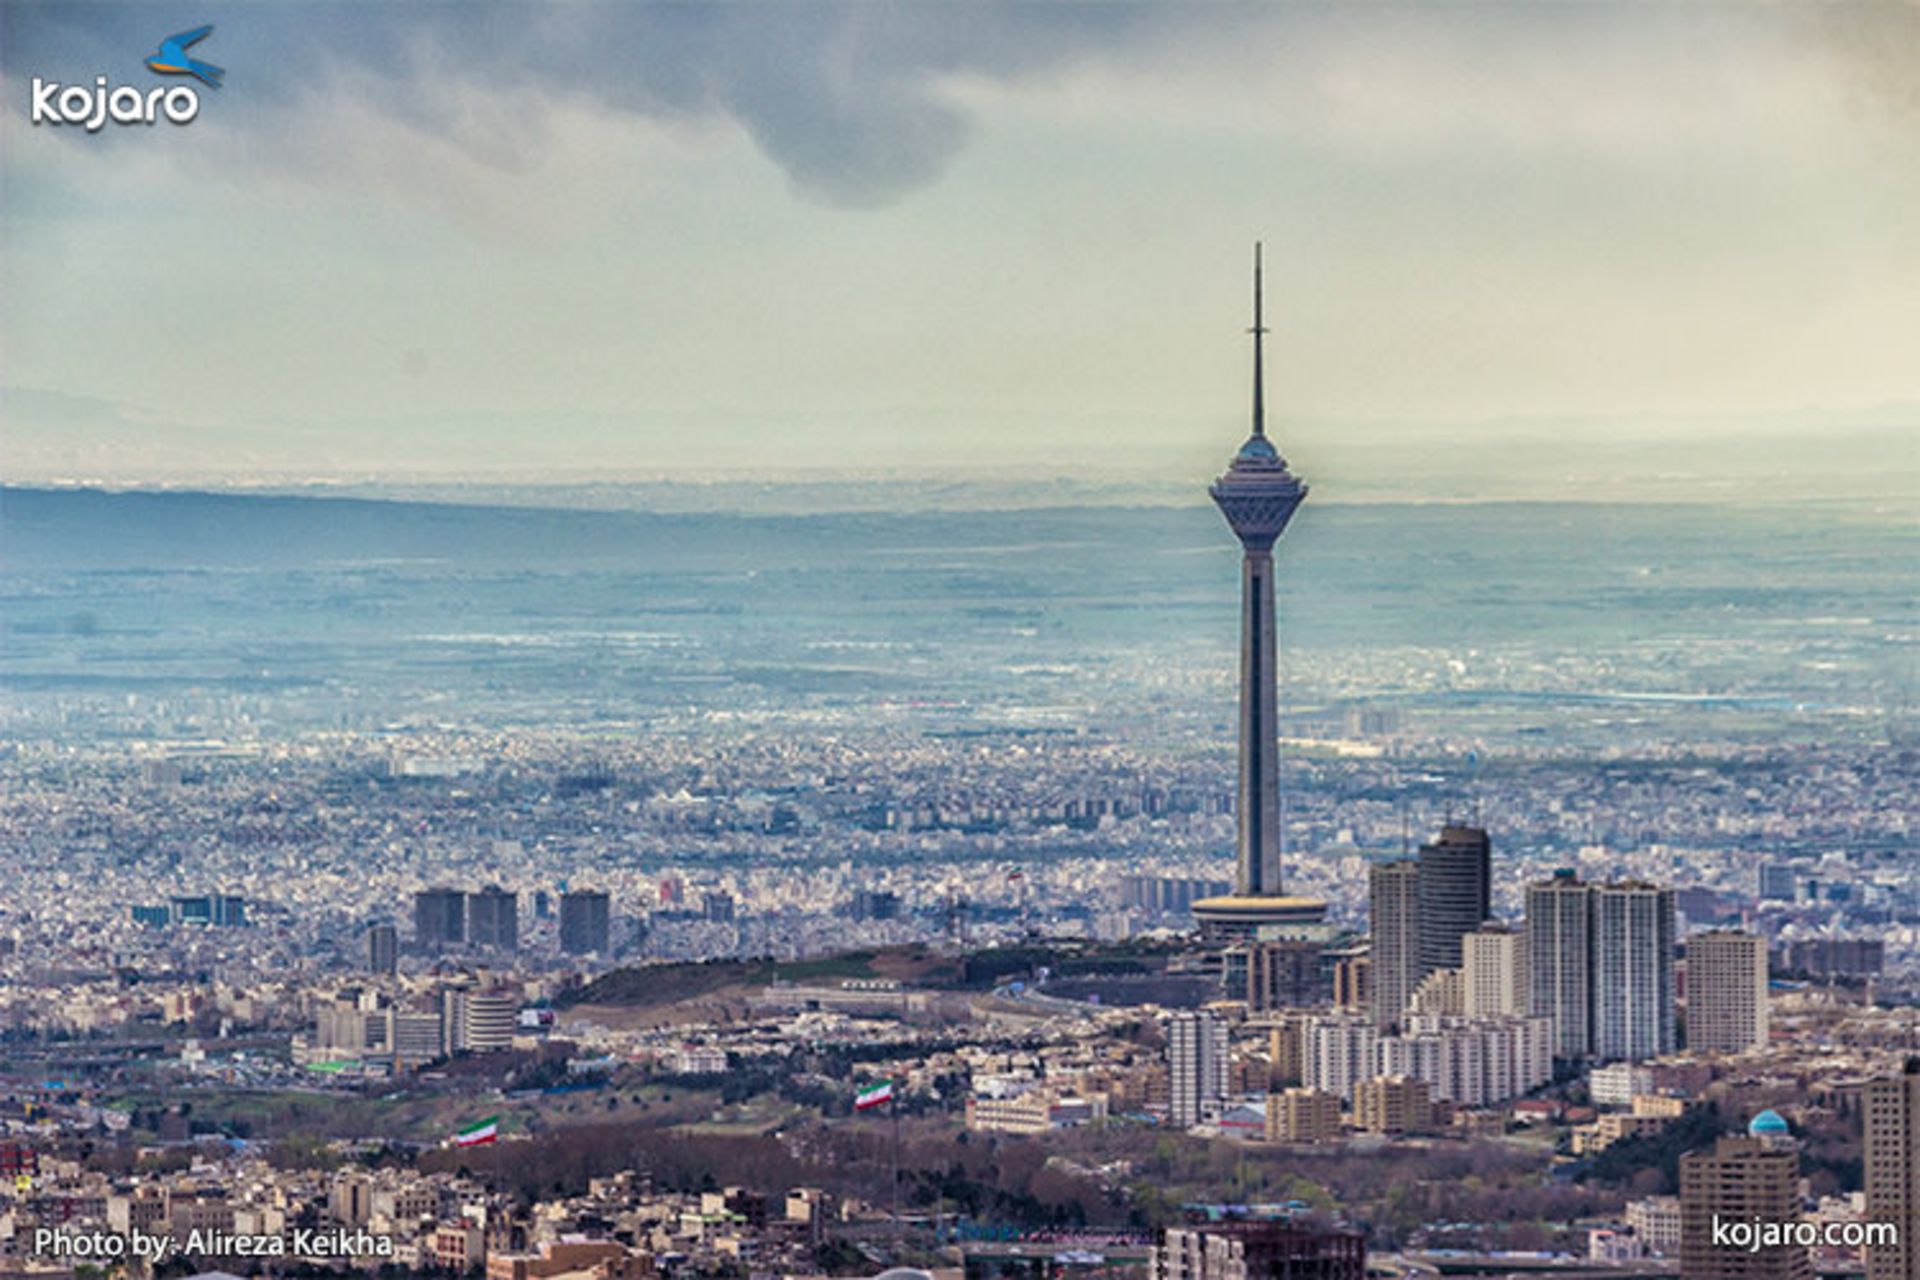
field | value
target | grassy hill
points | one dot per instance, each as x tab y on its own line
653	986
662	985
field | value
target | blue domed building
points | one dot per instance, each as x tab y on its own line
1770	1127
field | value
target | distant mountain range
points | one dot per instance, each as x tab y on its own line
94	528
526	612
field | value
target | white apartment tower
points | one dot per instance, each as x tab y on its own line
1494	960
1196	1066
1560	960
1340	1052
1633	972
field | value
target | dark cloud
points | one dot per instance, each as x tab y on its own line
1875	54
843	96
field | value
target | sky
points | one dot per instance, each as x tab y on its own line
1510	249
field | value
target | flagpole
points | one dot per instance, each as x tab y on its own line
893	1105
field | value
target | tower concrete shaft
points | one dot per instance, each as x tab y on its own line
1259	794
1258	495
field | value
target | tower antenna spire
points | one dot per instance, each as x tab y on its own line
1259	375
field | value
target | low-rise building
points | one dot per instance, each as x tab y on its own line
1393	1105
1615	1084
558	1257
1613	1127
1302	1115
1656	1221
1259	1250
1613	1246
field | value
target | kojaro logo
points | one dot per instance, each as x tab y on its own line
93	107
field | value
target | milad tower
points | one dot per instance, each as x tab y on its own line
1258	495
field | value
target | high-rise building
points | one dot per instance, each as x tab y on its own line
416	1036
1600	964
350	1199
1834	957
1469	1060
1338	1052
1777	882
1741	1182
1168	895
586	922
453	1019
1493	959
439	918
1258	496
875	904
1474	1061
383	948
1891	1107
352	1023
491	1017
493	919
1393	905
1286	1047
1726	991
1287	973
1560	960
1456	893
218	910
1633	972
1353	981
1196	1066
477	1021
1444	991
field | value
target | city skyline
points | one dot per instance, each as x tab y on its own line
612	667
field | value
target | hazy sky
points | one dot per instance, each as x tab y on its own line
633	239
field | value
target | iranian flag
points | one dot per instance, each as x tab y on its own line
874	1096
479	1133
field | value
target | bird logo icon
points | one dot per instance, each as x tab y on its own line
172	59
